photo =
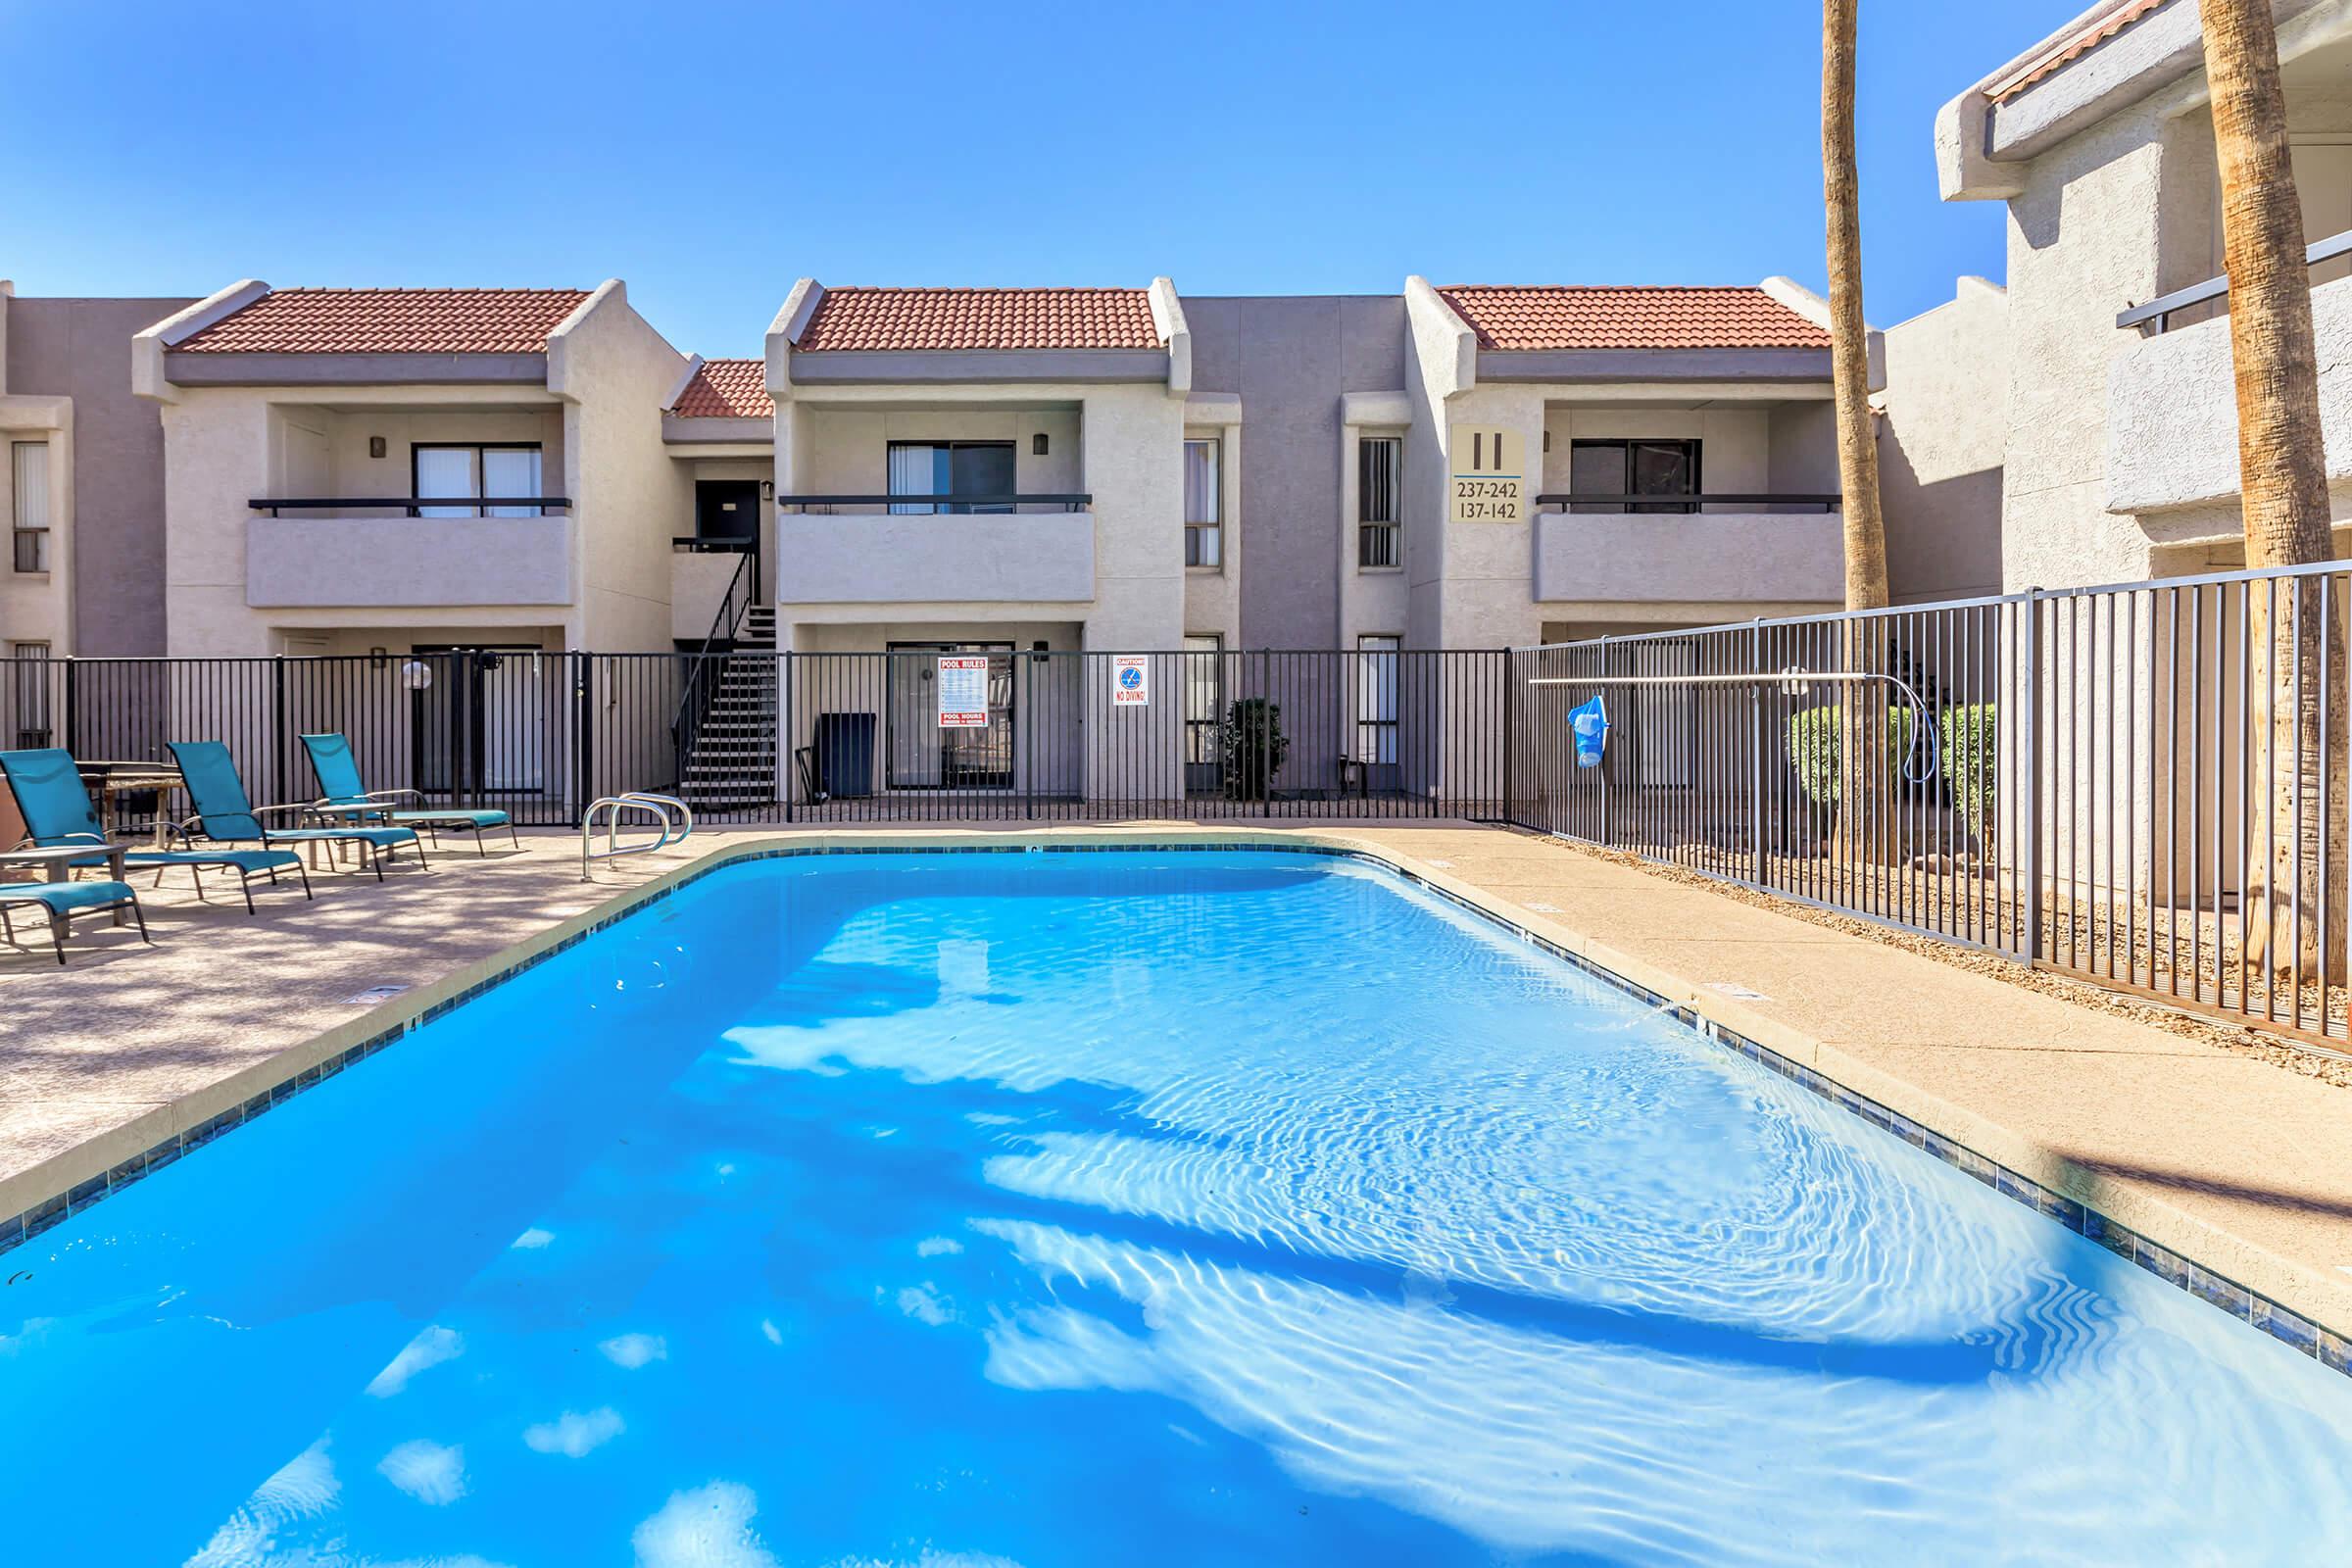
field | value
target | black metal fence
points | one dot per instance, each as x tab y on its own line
2142	784
986	734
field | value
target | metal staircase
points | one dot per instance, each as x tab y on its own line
730	752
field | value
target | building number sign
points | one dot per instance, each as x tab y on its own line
1488	482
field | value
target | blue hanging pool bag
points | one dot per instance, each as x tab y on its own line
1591	722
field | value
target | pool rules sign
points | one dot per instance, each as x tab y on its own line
964	692
1488	482
1130	681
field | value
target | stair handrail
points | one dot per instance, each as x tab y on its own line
723	627
671	812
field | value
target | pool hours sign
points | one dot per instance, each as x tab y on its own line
1488	483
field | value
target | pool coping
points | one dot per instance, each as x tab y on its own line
2250	1283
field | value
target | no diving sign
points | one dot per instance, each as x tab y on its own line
1130	681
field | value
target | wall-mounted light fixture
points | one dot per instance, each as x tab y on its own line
1037	444
767	489
375	446
378	658
1548	440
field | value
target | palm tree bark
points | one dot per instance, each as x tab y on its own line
2296	684
1866	819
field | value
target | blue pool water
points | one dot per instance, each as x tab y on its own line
1109	1208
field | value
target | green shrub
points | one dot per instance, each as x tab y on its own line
1971	757
1817	748
1252	745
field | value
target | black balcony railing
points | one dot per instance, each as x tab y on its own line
413	505
926	506
1807	500
2155	316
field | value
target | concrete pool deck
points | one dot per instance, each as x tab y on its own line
2220	1155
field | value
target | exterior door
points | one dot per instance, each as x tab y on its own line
478	725
925	756
726	516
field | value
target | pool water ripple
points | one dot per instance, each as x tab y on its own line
1186	1208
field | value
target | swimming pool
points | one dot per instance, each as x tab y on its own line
1073	1208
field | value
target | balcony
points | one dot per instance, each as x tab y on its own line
970	549
376	552
2172	399
1718	549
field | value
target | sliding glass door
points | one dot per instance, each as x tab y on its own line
950	468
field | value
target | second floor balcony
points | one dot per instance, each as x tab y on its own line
412	552
1724	549
977	547
2172	396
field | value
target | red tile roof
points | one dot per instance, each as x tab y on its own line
390	320
2070	45
726	390
1631	317
980	318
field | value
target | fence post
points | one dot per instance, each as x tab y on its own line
1609	791
73	726
1756	755
1265	716
2028	771
282	768
1510	741
583	740
787	763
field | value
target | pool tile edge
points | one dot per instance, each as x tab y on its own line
41	1197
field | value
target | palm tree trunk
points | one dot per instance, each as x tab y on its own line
1866	815
2297	680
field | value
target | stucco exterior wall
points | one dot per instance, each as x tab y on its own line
614	372
226	445
1942	434
36	607
110	598
2085	241
1291	359
1128	444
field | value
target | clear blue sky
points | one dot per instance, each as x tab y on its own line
712	153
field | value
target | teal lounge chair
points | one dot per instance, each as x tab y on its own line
225	815
343	795
57	812
62	900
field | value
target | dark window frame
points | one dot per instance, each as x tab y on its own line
1691	449
945	507
477	447
1379	541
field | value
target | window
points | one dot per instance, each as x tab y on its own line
28	693
951	468
471	470
1376	663
1613	469
1204	708
1204	531
28	466
1378	470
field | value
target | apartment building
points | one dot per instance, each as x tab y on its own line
450	485
2112	416
80	480
351	470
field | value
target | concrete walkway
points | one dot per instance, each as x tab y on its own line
2221	1156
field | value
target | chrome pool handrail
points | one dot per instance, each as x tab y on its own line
675	817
